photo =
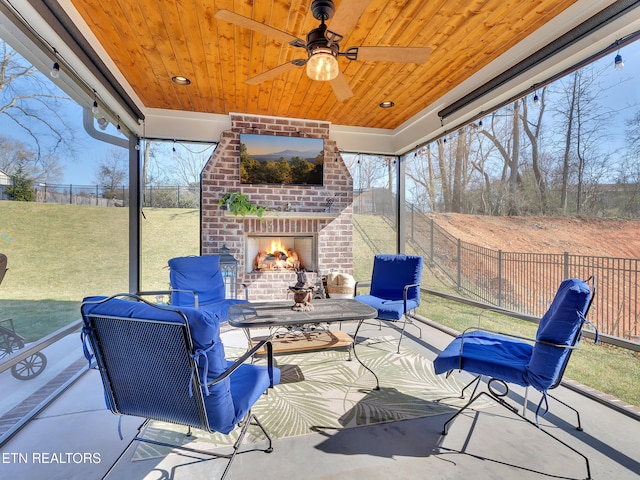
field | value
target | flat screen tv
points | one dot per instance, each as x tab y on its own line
274	159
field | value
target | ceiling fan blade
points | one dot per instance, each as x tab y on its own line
347	15
274	72
394	54
242	21
341	87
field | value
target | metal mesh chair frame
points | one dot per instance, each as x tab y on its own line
136	393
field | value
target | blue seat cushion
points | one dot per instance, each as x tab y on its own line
392	310
200	274
248	383
487	354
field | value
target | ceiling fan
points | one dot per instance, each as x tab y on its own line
323	45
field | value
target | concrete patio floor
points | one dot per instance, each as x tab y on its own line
77	438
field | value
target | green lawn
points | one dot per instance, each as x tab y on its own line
58	254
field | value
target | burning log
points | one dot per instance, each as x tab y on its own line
277	260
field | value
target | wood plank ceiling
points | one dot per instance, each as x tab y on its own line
151	41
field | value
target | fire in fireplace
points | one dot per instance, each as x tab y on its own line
277	257
281	253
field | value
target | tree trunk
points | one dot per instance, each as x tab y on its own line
534	138
567	147
514	162
461	148
444	178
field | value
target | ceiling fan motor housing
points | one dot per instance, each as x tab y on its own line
322	9
316	38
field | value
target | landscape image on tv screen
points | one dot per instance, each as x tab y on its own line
272	159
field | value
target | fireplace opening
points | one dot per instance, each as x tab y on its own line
280	253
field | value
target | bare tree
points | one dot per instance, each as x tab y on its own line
444	173
504	133
369	171
482	152
112	171
632	134
188	166
461	157
16	155
423	183
533	129
29	100
167	163
584	120
145	164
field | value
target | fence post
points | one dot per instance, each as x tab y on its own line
459	264
566	264
178	206
97	195
70	194
499	278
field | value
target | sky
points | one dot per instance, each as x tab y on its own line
80	168
265	144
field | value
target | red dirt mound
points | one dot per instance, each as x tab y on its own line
579	236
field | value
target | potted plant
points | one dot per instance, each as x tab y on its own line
239	203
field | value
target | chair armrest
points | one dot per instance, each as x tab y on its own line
509	335
476	329
170	292
149	293
248	354
405	293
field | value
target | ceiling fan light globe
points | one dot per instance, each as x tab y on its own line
322	65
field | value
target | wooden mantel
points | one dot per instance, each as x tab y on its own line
288	215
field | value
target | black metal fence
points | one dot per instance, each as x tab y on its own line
172	196
527	282
82	195
166	196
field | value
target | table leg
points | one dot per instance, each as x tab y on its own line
355	354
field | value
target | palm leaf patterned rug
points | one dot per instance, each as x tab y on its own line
323	390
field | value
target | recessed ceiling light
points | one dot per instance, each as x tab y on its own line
387	104
178	80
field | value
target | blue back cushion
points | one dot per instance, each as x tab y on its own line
392	272
205	334
560	325
199	274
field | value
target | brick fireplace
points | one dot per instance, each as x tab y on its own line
316	218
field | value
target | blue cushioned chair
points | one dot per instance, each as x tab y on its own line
394	289
539	363
197	281
167	363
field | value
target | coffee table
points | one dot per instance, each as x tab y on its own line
296	331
